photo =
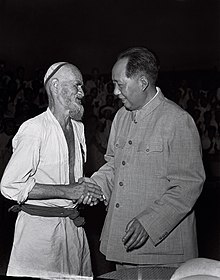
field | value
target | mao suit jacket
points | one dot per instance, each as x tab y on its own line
153	172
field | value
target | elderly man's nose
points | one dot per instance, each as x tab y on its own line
81	89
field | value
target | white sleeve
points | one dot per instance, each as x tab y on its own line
18	178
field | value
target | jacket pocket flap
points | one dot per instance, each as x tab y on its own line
155	145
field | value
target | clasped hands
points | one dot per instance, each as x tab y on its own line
91	193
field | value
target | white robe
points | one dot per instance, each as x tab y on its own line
45	246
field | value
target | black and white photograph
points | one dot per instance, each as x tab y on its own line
110	139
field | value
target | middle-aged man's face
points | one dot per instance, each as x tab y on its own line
127	89
72	94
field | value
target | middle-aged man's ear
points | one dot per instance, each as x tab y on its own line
144	82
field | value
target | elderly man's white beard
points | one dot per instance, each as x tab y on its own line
77	113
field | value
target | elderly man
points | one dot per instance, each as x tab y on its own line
154	171
48	155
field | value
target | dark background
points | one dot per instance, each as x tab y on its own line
35	33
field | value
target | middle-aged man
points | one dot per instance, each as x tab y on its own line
153	173
47	161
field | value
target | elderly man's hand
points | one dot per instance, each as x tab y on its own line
135	235
92	194
86	192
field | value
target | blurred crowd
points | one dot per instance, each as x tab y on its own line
20	99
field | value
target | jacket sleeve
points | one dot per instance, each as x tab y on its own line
185	174
18	178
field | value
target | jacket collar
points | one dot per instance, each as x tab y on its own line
137	115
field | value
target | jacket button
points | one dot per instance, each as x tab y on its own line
129	142
147	150
123	162
117	205
121	184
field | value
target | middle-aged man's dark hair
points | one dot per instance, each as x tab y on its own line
141	60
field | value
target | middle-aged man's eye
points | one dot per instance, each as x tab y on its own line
120	86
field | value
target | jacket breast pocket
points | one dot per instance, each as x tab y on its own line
151	157
120	143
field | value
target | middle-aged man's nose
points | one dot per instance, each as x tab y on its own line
116	91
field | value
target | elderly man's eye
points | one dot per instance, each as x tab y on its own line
78	85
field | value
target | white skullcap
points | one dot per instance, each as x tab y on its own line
52	70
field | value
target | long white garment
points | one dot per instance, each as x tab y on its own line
44	246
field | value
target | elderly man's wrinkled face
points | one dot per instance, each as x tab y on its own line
72	94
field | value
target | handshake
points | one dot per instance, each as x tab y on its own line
89	193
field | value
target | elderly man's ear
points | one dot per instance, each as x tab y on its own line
54	83
144	83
